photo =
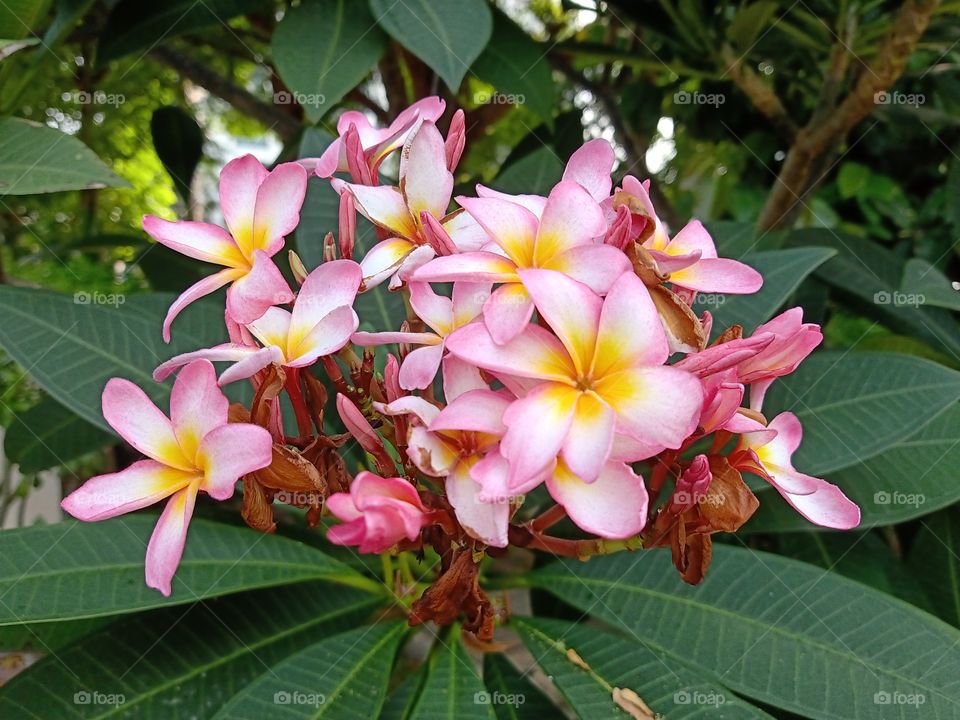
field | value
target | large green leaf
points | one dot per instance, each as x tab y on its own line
178	141
536	173
776	630
72	345
77	570
137	27
173	664
48	434
343	677
512	695
656	675
782	270
931	286
517	65
856	405
909	479
37	159
19	17
453	689
323	48
935	562
447	35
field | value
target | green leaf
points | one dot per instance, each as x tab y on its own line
854	406
452	690
135	27
749	22
516	65
534	173
47	637
37	159
512	696
324	48
659	677
447	35
19	17
173	664
935	562
852	179
72	345
178	141
48	434
909	479
782	270
776	630
344	677
77	570
920	278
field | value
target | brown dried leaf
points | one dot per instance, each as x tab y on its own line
728	502
632	704
257	511
684	329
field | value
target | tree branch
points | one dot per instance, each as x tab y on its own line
760	93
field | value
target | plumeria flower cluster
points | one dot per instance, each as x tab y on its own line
551	360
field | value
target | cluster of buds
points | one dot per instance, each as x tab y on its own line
552	361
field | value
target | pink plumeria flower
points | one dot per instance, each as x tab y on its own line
449	443
793	341
374	143
442	315
322	321
561	239
767	451
260	209
722	396
690	257
601	374
414	214
193	450
377	513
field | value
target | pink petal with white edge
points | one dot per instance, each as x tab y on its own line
630	332
272	328
719	275
476	410
369	339
570	218
465	232
424	411
535	353
570	308
693	237
512	227
229	352
197	405
479	267
332	285
507	312
229	452
673	263
614	506
424	178
198	240
129	411
382	205
629	449
596	266
168	539
657	405
140	485
435	310
537	427
240	181
590	439
418	257
277	212
252	364
383	259
826	506
468	301
430	452
250	296
327	336
460	377
486	522
590	166
196	291
533	203
420	367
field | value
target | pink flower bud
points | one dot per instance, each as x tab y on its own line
456	137
377	513
692	485
619	233
348	224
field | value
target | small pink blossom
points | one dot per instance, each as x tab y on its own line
377	513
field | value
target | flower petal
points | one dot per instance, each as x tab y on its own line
486	522
137	420
250	296
511	226
596	266
197	405
327	336
198	240
537	426
535	353
570	218
383	259
277	212
460	377
468	301
230	352
252	364
142	484
240	180
425	180
383	205
826	506
476	411
272	328
630	332
590	439
369	339
478	267
507	312
718	275
614	506
419	367
533	203
590	166
332	285
196	291
168	539
229	452
430	452
435	310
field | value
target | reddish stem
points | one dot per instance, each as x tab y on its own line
294	390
